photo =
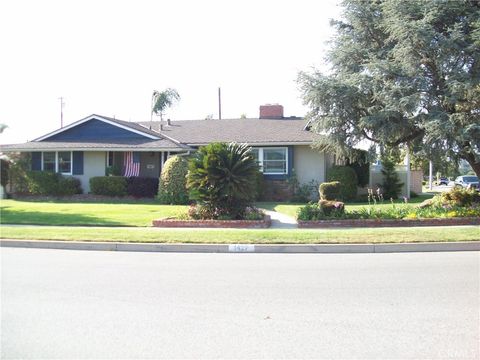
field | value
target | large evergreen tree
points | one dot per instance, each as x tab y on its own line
402	72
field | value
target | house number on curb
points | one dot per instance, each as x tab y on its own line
241	248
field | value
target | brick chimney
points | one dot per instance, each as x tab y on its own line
271	111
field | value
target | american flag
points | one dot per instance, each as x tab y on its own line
131	164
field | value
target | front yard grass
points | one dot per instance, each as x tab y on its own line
127	213
253	236
121	212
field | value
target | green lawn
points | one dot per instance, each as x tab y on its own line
253	236
116	213
133	213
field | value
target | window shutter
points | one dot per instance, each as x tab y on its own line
77	163
36	161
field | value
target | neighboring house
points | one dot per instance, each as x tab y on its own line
86	148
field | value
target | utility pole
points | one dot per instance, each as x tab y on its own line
62	104
219	104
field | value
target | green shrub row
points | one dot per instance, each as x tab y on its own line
51	184
122	186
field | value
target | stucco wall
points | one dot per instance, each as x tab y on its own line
309	164
94	163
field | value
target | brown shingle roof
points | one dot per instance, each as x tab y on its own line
251	131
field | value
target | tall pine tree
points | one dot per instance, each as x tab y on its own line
402	72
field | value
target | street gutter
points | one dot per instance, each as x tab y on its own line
244	248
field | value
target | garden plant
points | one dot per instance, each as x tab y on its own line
222	180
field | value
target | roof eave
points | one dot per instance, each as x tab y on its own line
97	117
273	143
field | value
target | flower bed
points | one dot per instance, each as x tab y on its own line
456	207
174	223
335	223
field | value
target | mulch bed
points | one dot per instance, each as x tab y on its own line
243	224
388	222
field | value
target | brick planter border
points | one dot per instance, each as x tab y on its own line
388	222
244	224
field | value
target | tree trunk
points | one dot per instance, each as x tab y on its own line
474	164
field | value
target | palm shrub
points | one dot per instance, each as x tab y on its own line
172	188
222	179
392	186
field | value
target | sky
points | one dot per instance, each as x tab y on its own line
107	57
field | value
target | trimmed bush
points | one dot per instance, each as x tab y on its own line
108	185
4	171
42	183
172	188
348	180
50	183
142	187
68	186
330	190
332	208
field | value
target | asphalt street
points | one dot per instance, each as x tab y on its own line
89	304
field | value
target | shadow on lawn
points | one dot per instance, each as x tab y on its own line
21	217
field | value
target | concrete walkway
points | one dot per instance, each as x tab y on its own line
281	221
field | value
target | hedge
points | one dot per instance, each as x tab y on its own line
348	180
108	185
142	186
53	184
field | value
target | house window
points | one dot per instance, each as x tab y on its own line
273	161
57	161
49	161
65	162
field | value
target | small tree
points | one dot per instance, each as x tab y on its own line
161	100
222	178
391	185
172	188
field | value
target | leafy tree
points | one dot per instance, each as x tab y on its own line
402	72
222	178
161	100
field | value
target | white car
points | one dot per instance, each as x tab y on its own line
467	181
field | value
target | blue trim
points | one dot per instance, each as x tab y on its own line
95	130
37	161
77	159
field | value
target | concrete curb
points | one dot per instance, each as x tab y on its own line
244	248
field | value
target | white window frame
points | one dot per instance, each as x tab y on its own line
56	161
260	159
108	158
